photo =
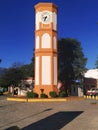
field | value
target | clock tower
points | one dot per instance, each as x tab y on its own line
46	48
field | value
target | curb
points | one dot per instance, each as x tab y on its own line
45	99
36	100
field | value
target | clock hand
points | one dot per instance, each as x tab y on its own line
45	18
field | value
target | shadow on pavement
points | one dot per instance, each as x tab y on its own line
13	128
54	122
17	128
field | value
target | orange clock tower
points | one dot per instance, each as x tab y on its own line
46	48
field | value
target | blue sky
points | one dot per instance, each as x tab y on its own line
76	19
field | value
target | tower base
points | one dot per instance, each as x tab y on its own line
46	89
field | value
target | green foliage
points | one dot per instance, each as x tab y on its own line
96	64
11	76
16	73
43	95
2	71
62	94
71	59
32	95
53	94
28	70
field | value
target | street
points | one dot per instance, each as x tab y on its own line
70	115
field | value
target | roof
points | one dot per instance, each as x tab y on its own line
92	73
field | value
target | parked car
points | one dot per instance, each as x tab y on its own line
92	92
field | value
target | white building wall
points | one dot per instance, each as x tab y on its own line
37	70
37	20
46	40
46	69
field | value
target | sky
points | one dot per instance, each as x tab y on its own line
76	19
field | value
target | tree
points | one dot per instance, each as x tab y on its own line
96	64
12	76
28	69
17	72
71	60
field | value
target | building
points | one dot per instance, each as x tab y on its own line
92	73
91	79
21	90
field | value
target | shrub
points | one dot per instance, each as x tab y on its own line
32	95
53	94
43	95
62	94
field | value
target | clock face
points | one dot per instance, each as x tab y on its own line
45	17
